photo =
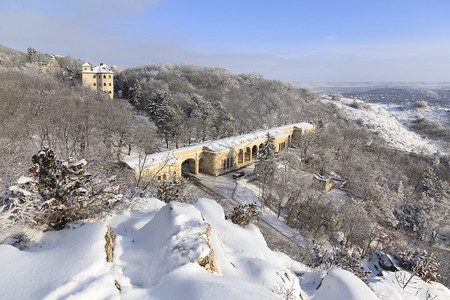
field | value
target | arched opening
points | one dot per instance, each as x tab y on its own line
241	156
248	154
254	152
189	166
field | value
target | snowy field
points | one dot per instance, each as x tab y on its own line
179	251
393	122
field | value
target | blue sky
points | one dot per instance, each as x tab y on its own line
297	41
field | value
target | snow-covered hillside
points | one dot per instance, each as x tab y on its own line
393	122
178	251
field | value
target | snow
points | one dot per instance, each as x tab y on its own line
98	69
61	264
341	284
156	255
243	192
24	179
155	159
155	259
78	163
393	121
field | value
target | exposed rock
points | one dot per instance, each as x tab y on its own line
208	262
383	260
117	285
109	246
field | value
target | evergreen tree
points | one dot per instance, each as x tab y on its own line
137	96
265	168
116	84
125	88
155	101
165	117
267	151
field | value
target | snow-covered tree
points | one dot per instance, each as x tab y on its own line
136	101
267	151
165	118
265	169
421	263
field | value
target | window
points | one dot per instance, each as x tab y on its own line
94	84
93	76
104	84
104	76
109	76
110	84
110	92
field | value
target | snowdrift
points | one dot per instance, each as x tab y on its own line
178	251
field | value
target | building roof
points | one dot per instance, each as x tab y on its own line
99	70
86	64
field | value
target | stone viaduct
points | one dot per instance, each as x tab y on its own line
214	157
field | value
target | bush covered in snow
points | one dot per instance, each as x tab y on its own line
170	191
431	129
421	104
243	215
343	258
359	104
59	192
422	263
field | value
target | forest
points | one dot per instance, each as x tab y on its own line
403	198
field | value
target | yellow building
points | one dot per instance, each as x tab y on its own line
100	78
215	157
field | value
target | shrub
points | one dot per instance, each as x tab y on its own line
58	193
170	191
336	97
421	263
431	129
421	104
243	215
343	258
358	104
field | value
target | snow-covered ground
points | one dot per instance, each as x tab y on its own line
392	121
241	191
179	251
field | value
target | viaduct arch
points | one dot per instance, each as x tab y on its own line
219	156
